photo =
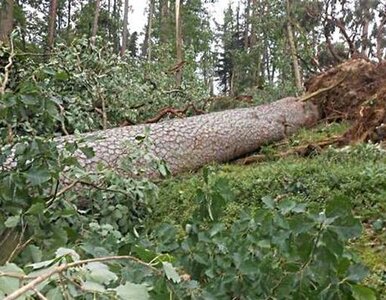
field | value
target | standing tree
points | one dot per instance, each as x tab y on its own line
51	23
178	44
124	30
147	43
95	23
292	45
6	19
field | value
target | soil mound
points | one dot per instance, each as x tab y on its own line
355	91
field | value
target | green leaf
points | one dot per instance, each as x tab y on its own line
42	264
36	209
28	99
12	221
286	206
170	272
61	75
163	170
9	284
93	286
361	292
357	272
268	201
67	252
131	291
100	273
144	254
38	176
55	294
88	151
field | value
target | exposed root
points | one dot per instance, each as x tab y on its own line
355	91
174	111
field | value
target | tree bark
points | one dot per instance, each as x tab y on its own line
190	143
95	23
147	46
291	41
178	43
6	20
164	28
124	31
51	24
246	29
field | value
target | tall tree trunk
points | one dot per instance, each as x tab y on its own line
380	39
247	21
164	27
52	24
178	43
95	23
69	16
256	72
365	27
294	55
6	20
147	43
125	23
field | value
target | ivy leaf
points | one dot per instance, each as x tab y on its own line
360	292
132	291
12	221
170	272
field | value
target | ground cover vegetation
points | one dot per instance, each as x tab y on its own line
301	219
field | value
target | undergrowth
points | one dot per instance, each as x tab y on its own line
357	173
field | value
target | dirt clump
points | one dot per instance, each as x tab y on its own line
354	91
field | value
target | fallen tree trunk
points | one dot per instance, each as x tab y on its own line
189	143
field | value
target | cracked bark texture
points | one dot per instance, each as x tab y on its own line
189	143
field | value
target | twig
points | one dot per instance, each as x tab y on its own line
19	245
62	121
320	91
32	285
62	191
40	295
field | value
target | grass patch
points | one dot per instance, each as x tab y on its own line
357	173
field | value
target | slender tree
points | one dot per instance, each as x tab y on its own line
292	45
125	23
95	23
52	23
178	43
147	44
164	24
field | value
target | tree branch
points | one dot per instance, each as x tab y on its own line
61	268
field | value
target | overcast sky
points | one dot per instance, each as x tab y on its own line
138	17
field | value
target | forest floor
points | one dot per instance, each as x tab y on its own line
356	172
